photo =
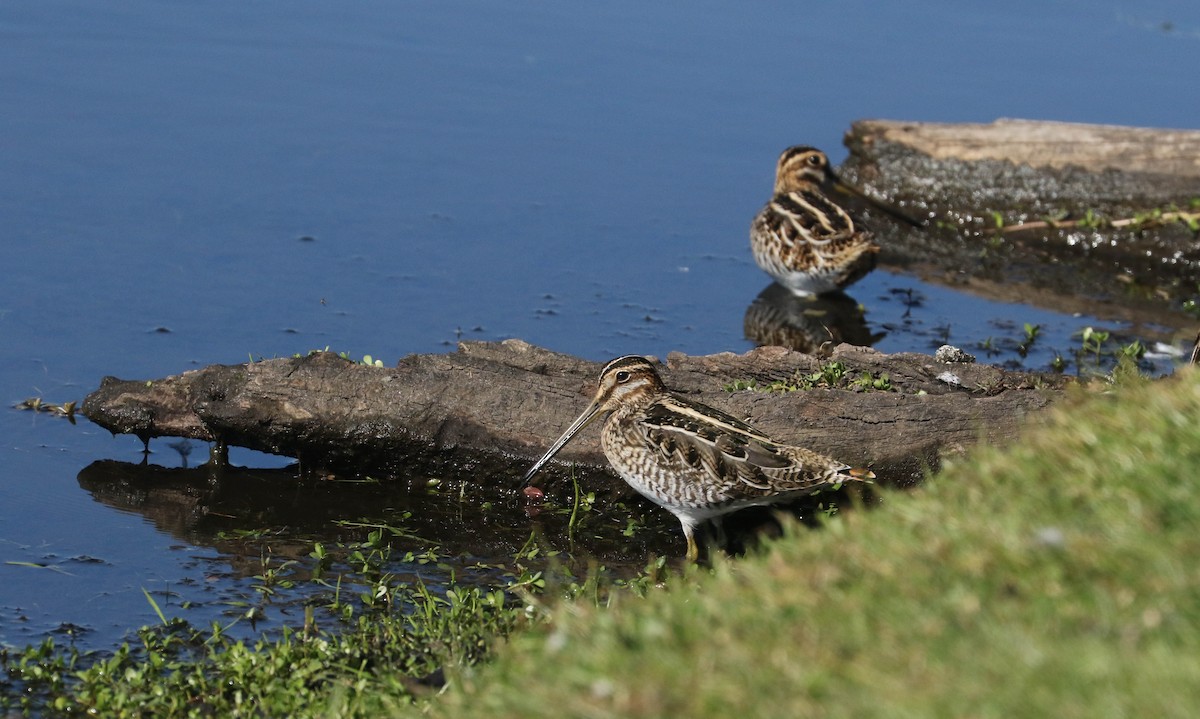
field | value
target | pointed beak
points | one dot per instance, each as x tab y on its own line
845	187
580	422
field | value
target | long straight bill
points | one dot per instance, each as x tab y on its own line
892	210
582	421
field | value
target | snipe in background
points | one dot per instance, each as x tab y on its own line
804	239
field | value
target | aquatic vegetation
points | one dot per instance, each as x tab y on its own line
1031	334
831	375
368	641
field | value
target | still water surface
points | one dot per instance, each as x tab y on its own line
183	184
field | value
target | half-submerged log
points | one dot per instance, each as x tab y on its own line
1095	219
489	408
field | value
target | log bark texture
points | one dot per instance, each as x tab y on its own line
1168	156
1028	165
491	408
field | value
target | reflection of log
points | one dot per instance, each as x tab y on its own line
195	505
198	505
173	499
1028	171
441	411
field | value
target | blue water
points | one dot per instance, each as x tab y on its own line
187	183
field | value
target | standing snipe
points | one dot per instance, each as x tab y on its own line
805	240
697	462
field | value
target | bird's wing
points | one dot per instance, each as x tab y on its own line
712	441
808	217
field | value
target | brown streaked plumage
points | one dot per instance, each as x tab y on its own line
805	240
695	461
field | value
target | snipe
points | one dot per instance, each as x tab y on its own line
697	462
804	239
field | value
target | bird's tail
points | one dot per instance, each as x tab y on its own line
862	474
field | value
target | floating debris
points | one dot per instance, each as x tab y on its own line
67	409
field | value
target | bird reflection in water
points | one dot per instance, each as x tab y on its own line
806	323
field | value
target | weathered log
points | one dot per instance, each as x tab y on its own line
1137	269
1029	166
1168	158
454	412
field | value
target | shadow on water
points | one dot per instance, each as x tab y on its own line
234	510
202	505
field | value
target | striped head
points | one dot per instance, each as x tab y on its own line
624	381
800	168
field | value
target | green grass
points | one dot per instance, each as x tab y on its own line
1057	578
